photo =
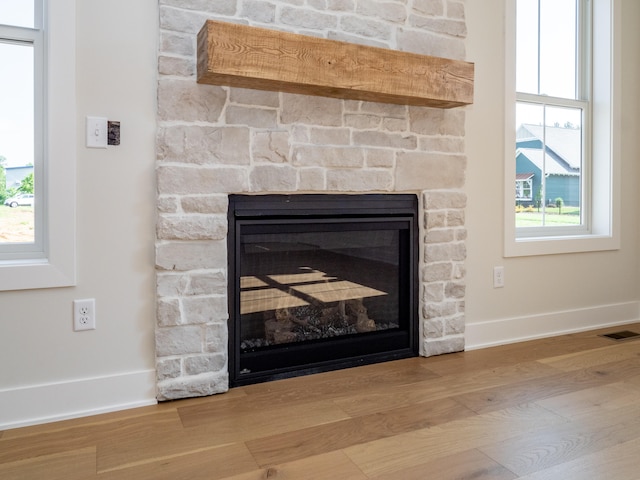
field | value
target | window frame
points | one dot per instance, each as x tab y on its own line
601	196
53	264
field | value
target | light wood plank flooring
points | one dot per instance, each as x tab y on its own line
561	408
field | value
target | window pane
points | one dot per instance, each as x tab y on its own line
18	13
527	46
558	48
546	49
17	144
548	155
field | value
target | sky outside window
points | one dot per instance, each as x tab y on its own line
16	105
16	87
546	53
19	13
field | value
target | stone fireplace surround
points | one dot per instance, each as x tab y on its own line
213	141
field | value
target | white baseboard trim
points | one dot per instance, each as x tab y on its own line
44	403
519	329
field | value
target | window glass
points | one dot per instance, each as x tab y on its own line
546	47
21	135
17	144
527	46
18	13
558	48
549	155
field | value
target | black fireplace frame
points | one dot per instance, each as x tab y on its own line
249	209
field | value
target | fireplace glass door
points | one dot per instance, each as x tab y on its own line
319	287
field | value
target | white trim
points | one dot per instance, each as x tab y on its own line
58	268
44	403
519	329
605	202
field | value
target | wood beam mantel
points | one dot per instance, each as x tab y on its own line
258	58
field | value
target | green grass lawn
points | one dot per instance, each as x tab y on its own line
569	216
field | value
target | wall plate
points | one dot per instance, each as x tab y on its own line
96	132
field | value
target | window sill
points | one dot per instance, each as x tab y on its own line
523	247
30	275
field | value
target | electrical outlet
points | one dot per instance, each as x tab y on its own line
498	277
84	314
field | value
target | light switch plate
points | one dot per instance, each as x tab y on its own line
96	132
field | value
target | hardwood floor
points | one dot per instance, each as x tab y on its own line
561	408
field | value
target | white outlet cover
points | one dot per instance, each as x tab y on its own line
84	314
498	277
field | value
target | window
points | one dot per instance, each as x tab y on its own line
552	112
37	247
560	148
524	187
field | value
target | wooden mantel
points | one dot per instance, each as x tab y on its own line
258	58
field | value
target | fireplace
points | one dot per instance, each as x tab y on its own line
214	142
320	282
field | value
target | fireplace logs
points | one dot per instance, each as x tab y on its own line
312	322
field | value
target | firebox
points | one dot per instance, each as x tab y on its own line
320	282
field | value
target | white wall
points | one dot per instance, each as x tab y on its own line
47	371
545	294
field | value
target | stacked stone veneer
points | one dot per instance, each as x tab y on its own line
215	140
